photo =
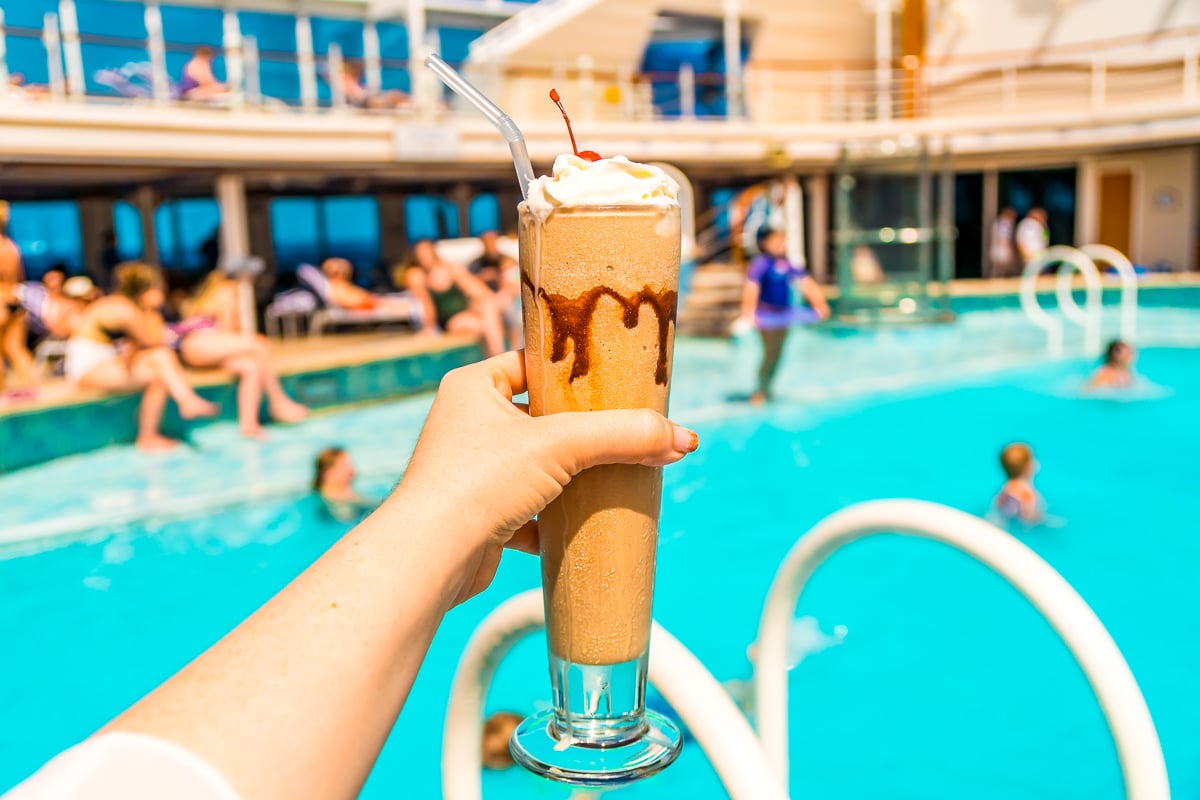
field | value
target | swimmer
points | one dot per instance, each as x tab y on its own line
1018	500
767	303
334	482
1117	370
497	730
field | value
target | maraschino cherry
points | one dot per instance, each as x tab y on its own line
586	155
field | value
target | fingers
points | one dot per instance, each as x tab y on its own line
507	372
633	436
525	539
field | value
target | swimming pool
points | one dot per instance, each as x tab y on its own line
947	684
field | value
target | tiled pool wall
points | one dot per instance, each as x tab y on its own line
1148	296
38	435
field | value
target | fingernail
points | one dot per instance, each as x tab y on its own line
686	441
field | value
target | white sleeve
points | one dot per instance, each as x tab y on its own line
125	766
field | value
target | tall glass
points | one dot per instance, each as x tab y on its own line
599	288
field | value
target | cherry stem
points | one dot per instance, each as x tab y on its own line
558	102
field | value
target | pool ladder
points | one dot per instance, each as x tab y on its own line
1083	260
755	767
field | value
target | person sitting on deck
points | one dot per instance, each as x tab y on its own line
455	301
503	276
13	346
345	293
1117	370
360	96
142	363
1018	500
199	82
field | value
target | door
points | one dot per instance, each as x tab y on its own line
1116	209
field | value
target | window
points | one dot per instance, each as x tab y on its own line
127	225
183	229
307	230
48	233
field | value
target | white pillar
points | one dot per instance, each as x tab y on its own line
231	41
817	188
305	63
251	67
732	30
883	59
335	65
416	29
3	58
1087	192
145	200
991	210
235	240
687	91
372	69
793	215
53	46
156	48
72	51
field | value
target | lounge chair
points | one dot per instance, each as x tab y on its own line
283	315
32	297
330	314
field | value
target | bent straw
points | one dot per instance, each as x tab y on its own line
512	134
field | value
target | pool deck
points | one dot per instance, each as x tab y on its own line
61	419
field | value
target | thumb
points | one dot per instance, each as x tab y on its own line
585	439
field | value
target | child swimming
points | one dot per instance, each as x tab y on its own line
1018	500
1117	370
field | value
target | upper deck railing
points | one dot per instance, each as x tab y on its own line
1143	78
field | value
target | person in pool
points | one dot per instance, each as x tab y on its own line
1018	500
1117	370
454	300
497	730
333	480
333	656
767	303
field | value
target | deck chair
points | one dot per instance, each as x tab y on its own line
330	314
283	316
32	297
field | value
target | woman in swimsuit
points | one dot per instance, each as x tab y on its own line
454	300
12	316
767	303
147	365
199	82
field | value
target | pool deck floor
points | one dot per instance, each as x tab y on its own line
291	357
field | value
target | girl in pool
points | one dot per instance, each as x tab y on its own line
1117	370
767	303
334	482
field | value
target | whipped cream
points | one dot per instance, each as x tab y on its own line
615	181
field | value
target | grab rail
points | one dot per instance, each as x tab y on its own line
716	723
1138	750
1102	253
1088	318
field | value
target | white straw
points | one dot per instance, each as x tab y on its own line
512	134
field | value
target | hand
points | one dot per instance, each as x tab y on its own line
494	467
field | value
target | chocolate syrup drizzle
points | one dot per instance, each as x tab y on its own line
571	320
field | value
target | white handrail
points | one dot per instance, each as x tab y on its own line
1138	749
1102	253
707	710
1053	325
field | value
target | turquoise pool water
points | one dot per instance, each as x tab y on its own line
947	684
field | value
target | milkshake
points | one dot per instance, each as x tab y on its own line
600	245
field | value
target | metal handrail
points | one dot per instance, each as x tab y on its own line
1138	750
1104	254
1089	318
712	717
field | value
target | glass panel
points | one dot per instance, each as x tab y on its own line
127	224
294	230
48	233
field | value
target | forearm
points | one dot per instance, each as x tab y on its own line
749	299
298	700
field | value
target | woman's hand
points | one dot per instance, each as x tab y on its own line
496	467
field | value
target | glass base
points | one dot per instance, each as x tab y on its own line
538	745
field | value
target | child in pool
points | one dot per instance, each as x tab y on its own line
333	481
1018	500
1117	370
497	730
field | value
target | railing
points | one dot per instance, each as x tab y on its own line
757	768
1080	260
1162	72
1129	721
